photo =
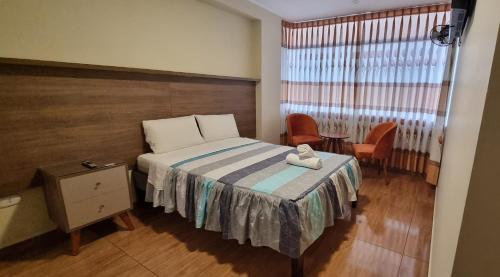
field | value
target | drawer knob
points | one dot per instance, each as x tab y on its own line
101	208
97	185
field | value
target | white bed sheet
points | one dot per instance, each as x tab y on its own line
169	158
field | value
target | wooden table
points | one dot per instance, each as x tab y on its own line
334	141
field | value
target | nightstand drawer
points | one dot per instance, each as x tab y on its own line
89	185
93	209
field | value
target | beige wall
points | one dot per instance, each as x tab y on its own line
204	36
268	90
27	219
175	35
472	78
478	250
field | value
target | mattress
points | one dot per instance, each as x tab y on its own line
245	189
144	160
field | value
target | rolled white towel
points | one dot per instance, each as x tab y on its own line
294	159
306	152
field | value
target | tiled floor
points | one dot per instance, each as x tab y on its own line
389	235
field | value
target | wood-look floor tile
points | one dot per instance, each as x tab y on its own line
146	244
357	258
425	192
125	267
389	232
93	258
384	214
411	267
212	255
419	235
403	189
372	243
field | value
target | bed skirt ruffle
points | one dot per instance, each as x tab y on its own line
285	225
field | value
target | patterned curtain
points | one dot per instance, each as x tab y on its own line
352	73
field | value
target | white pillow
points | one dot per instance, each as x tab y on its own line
169	134
216	127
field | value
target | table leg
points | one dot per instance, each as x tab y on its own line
125	217
75	242
335	146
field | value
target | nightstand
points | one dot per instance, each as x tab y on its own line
77	196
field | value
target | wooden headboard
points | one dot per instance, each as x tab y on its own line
54	113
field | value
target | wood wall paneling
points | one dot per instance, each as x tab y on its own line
217	98
51	115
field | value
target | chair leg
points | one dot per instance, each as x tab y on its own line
386	162
379	166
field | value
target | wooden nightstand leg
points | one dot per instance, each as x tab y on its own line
75	242
126	219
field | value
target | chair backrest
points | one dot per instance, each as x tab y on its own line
382	136
301	125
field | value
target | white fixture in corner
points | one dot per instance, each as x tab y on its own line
10	200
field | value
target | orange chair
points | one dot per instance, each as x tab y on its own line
302	129
378	145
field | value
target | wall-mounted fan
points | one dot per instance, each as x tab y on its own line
440	35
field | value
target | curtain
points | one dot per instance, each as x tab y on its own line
352	73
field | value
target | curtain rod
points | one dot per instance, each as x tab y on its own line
446	6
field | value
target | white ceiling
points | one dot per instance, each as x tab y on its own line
301	10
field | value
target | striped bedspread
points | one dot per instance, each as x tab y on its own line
248	191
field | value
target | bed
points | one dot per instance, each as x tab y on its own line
244	189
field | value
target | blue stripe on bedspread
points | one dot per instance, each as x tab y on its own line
207	187
350	173
274	182
237	175
211	154
316	214
324	179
